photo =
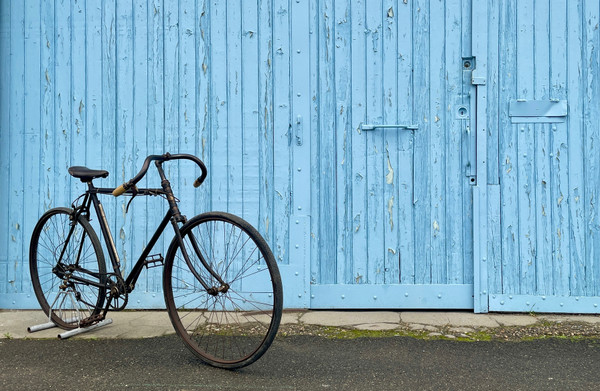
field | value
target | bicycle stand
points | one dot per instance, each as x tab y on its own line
80	330
70	333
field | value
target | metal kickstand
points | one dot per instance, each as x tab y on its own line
64	295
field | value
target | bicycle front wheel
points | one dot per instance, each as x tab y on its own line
67	268
233	323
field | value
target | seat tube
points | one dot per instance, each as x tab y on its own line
110	243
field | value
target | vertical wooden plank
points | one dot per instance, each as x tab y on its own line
525	149
437	160
77	98
574	150
186	91
508	152
124	131
374	149
109	139
424	229
187	97
156	120
324	153
405	171
454	187
265	118
47	68
494	58
141	209
592	136
16	147
304	101
93	89
343	131
559	81
251	131
359	146
32	104
62	99
92	109
202	88
5	75
543	259
391	271
389	54
496	102
171	95
218	107
314	24
172	84
282	122
234	107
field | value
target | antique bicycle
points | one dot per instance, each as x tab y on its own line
221	283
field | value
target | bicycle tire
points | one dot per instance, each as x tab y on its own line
234	328
81	256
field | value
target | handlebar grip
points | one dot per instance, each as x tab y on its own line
198	181
119	190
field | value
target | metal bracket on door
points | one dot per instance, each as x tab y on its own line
373	127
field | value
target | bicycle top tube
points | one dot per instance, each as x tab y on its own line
161	158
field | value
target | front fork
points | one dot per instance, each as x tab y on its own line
179	218
211	290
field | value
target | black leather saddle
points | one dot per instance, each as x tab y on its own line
86	174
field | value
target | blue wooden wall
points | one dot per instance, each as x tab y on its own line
106	83
392	222
545	223
282	100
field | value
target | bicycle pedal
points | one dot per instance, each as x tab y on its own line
155	260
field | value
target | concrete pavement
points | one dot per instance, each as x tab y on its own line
146	324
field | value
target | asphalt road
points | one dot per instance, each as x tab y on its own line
303	363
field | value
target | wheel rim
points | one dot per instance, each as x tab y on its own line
233	326
55	283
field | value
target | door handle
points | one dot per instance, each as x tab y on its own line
399	126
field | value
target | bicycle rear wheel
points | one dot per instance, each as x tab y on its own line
234	327
67	267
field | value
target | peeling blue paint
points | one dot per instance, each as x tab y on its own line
275	96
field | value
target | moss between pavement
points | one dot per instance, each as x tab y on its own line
543	329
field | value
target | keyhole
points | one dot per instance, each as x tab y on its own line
462	112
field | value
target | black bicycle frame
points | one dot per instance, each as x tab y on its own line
91	198
173	215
